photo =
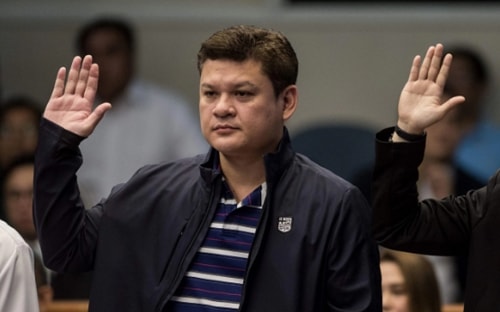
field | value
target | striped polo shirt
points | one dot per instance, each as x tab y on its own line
215	279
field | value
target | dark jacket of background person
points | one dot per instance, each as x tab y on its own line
165	211
451	226
463	182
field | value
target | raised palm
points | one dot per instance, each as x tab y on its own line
420	103
71	102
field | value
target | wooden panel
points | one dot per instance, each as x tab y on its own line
82	306
453	308
67	306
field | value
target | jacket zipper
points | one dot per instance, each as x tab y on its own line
180	274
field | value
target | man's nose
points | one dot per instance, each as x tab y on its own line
224	106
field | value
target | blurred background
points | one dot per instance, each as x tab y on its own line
354	56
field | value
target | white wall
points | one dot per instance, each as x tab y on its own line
354	60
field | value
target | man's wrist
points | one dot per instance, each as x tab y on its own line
406	136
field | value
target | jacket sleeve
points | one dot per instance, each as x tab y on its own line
66	230
400	221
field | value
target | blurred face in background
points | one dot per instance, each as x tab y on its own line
110	51
18	134
463	80
18	197
394	292
444	137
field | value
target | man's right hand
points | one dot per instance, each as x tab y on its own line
420	103
71	102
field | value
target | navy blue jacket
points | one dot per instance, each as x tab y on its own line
140	240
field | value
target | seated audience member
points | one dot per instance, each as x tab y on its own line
409	283
17	190
479	152
19	120
147	123
17	276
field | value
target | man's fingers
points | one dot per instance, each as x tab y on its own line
424	68
58	89
414	68
73	75
98	113
91	85
435	62
83	76
443	72
101	109
452	102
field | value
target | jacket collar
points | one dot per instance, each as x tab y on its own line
275	163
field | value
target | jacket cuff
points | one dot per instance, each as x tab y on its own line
67	137
400	152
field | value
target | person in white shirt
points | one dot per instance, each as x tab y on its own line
148	123
17	192
18	291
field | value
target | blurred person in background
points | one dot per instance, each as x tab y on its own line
147	124
17	193
17	274
479	151
409	283
19	121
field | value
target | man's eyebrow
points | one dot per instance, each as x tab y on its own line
206	85
245	84
236	85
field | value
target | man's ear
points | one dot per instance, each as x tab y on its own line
290	101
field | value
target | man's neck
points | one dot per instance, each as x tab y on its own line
243	175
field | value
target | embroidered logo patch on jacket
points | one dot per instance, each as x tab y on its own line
284	224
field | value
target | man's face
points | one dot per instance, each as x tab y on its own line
240	114
110	51
18	196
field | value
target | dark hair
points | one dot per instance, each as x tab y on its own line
240	43
105	23
479	69
20	102
22	160
420	279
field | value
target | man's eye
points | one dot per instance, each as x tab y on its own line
243	93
